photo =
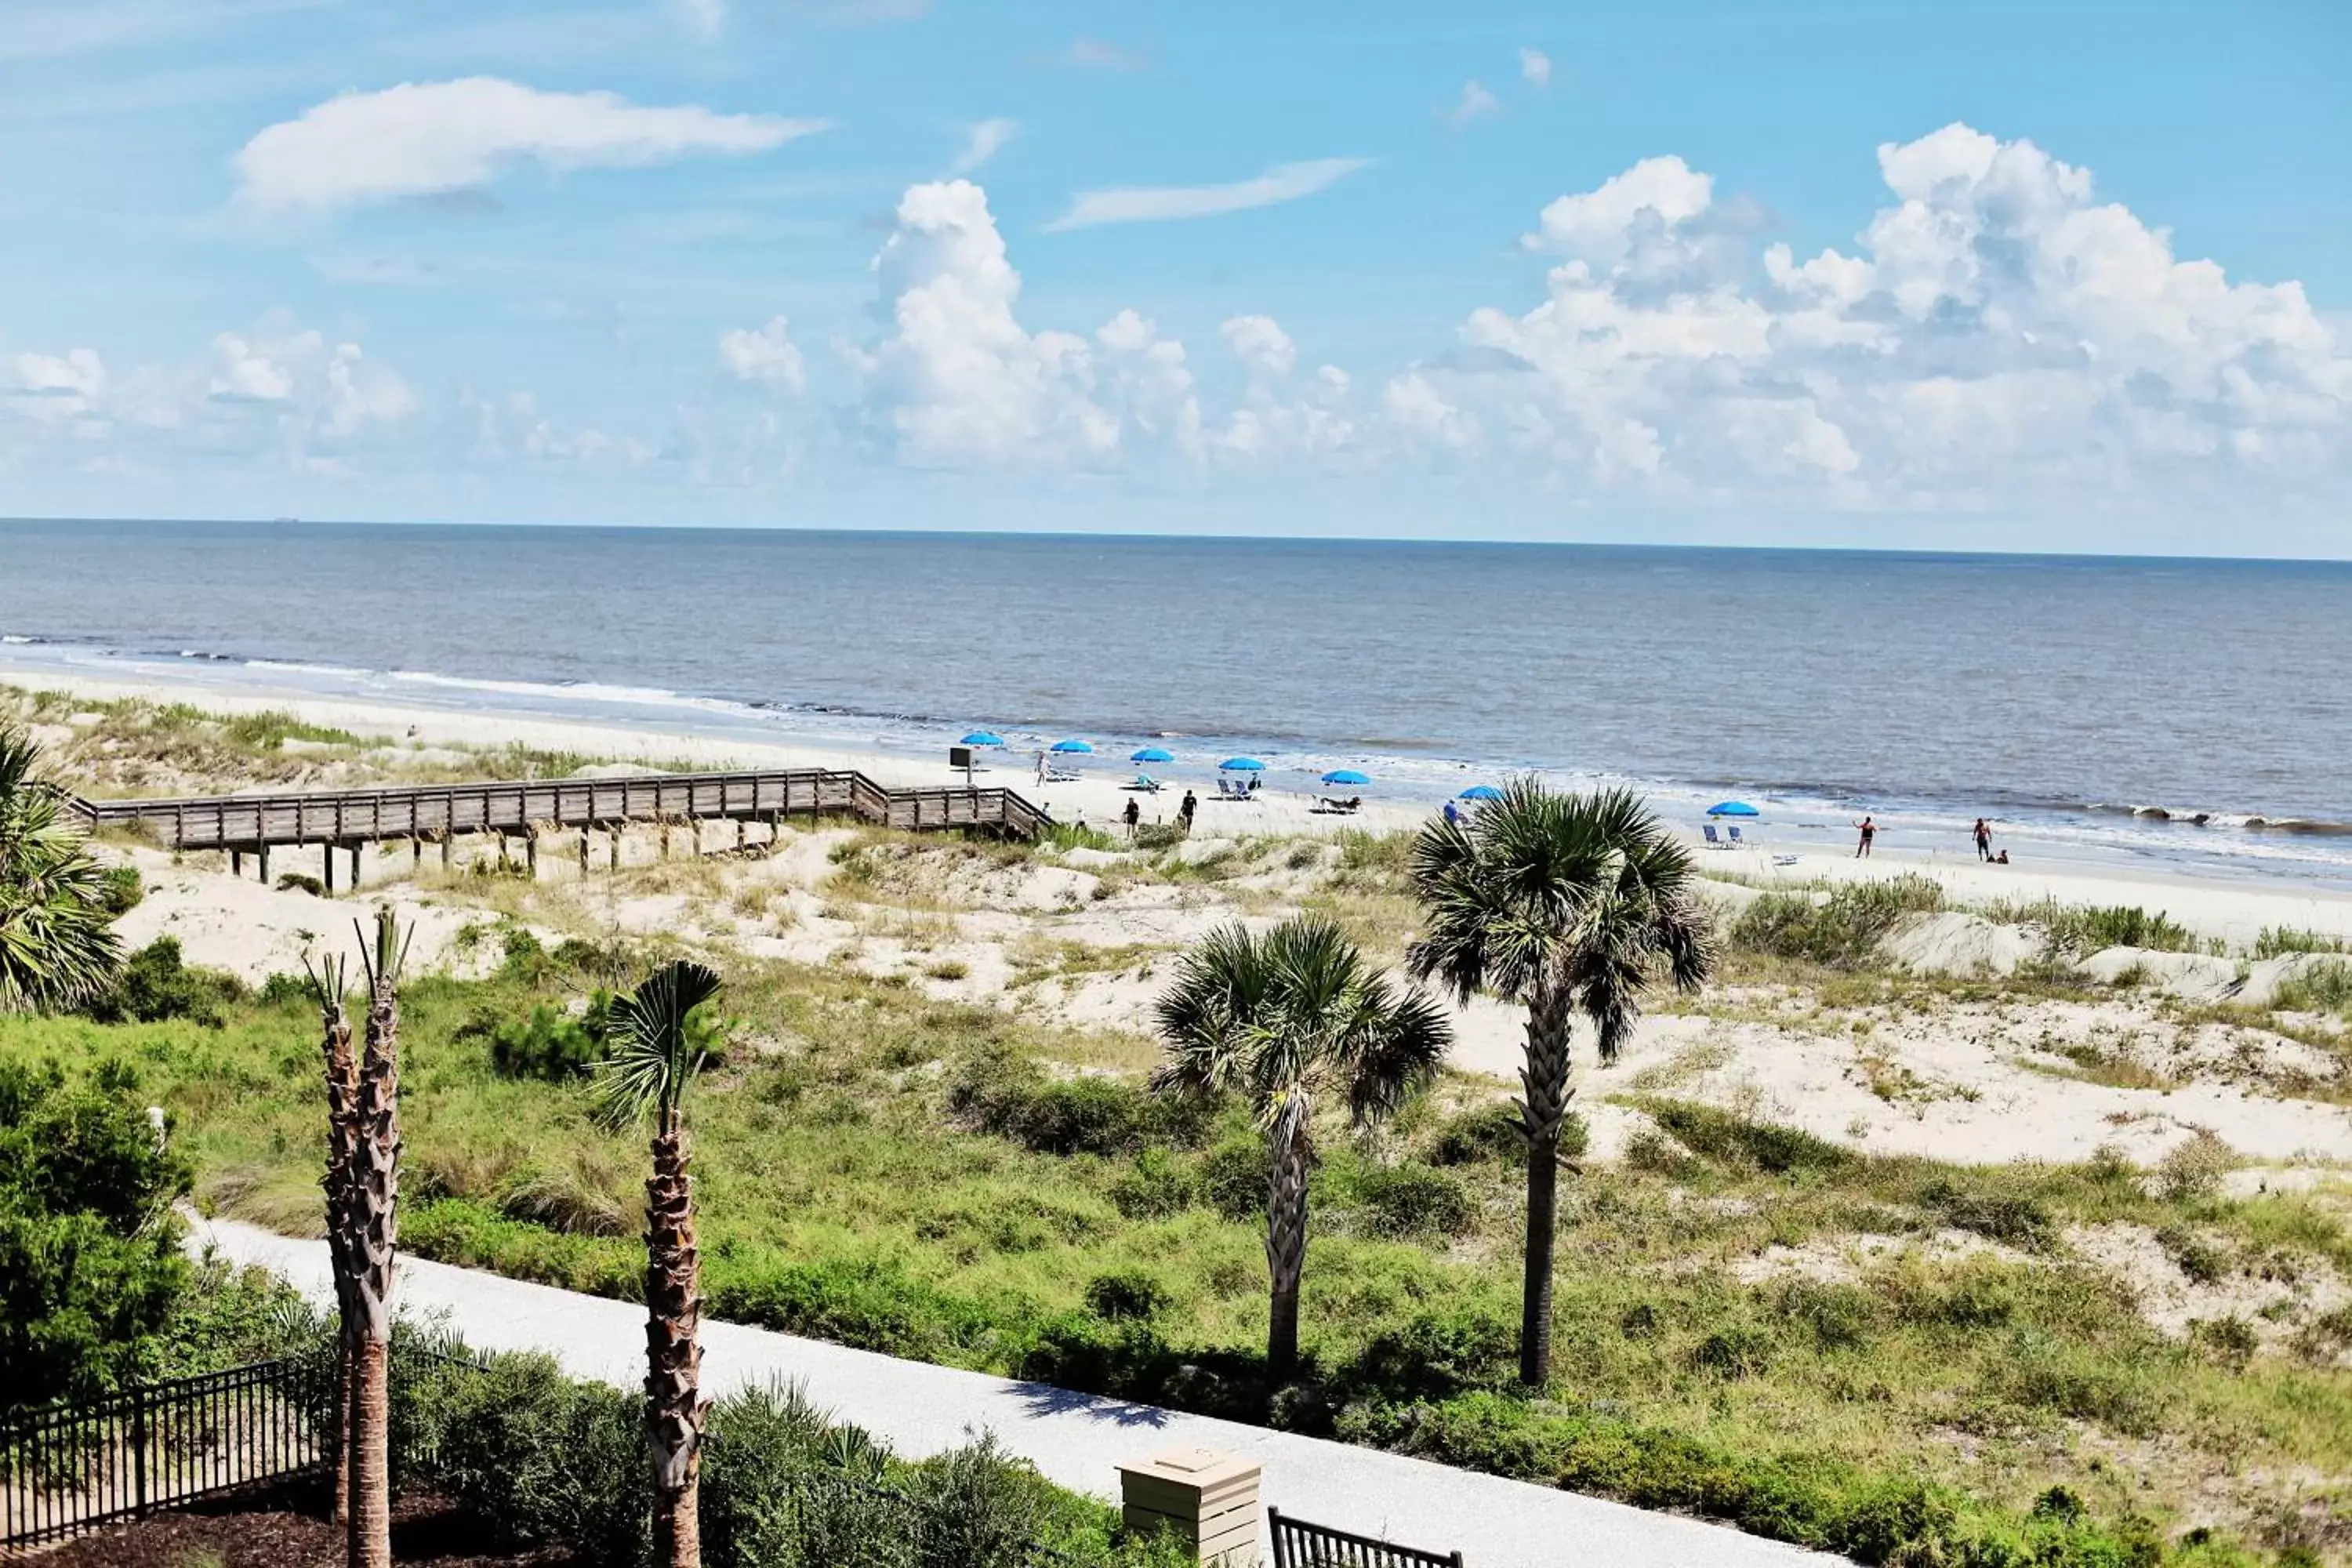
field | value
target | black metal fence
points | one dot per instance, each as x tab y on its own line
1298	1544
67	1467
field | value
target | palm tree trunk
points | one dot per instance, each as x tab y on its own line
1544	1080
343	1092
371	1231
675	1407
1286	1237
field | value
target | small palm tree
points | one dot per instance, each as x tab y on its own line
327	985
655	1054
1281	1019
371	1228
57	942
1560	903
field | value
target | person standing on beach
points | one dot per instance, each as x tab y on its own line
1133	814
1984	839
1453	814
1041	770
1184	810
1869	831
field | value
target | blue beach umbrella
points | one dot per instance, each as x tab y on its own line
981	738
1153	754
1480	792
1242	765
1345	776
1733	808
1072	747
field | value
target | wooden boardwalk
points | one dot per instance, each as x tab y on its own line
245	825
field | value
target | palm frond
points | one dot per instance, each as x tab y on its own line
58	946
652	1054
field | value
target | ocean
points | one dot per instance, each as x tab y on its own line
2070	698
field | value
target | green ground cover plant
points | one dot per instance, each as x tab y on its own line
965	1186
1840	925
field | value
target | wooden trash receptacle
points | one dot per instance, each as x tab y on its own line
1207	1499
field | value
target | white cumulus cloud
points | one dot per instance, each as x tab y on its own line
425	138
1151	203
764	355
1535	68
1998	336
1264	349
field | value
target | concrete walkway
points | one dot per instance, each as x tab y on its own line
1074	1438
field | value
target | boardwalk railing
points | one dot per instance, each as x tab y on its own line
422	812
67	1467
1298	1544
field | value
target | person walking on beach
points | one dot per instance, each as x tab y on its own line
1184	809
1133	814
1984	839
1453	814
1869	831
1041	770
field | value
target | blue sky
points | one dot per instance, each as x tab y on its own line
1811	273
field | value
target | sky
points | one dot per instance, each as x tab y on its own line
2042	275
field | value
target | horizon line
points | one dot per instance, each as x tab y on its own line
1152	536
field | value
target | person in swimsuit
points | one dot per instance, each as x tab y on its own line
1184	810
1134	813
1869	831
1984	839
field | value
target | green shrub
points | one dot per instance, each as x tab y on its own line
300	883
1495	1132
1736	1140
1405	1200
1080	835
544	1044
1836	1317
285	989
1128	1293
1736	1352
91	1269
120	889
1013	1097
2020	1218
539	1458
1155	1187
1158	835
1843	928
1436	1353
154	985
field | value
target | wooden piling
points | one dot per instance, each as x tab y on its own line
531	853
331	870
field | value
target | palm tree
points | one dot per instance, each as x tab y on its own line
57	945
655	1054
370	1228
1280	1019
1561	904
327	984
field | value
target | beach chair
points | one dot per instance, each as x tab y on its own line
1146	784
1736	842
1714	840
